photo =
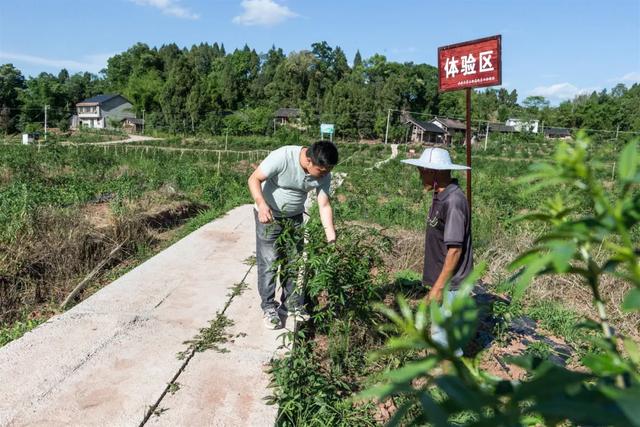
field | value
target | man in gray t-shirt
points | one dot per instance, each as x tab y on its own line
279	187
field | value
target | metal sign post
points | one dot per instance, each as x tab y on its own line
475	63
468	144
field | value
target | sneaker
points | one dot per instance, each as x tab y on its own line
271	319
300	316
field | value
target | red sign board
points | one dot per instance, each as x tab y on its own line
474	63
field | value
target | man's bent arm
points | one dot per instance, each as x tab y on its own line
449	267
255	187
326	217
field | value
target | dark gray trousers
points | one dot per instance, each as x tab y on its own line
271	253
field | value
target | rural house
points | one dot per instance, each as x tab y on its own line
452	128
420	131
523	125
132	125
98	111
500	128
557	133
287	116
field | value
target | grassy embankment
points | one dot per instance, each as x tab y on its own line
62	210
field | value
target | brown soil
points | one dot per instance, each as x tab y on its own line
99	215
385	410
521	335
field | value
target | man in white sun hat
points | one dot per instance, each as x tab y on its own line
448	253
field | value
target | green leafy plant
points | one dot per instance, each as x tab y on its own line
441	388
311	386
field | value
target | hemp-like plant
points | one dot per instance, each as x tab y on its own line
442	388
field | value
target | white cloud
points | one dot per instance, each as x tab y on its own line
561	91
91	63
632	77
266	13
169	7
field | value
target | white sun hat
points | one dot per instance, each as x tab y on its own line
435	158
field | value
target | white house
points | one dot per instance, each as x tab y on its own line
523	125
97	111
451	128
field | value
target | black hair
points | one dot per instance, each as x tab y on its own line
323	153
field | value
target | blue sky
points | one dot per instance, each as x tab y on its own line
554	48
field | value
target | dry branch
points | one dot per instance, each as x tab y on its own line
90	276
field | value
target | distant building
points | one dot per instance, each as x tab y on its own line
30	138
132	125
96	112
500	128
523	125
420	131
290	116
557	133
451	128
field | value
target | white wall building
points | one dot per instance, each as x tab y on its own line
523	125
95	112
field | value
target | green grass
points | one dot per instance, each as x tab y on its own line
60	177
556	319
17	329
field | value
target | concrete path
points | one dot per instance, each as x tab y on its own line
110	359
394	154
130	138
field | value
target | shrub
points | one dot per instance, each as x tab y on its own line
608	392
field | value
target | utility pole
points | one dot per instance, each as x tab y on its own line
617	131
143	121
386	133
226	139
486	137
45	122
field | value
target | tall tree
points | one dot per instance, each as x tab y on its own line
12	83
357	60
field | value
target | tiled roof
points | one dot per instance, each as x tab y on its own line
499	127
557	131
427	126
452	124
101	99
287	112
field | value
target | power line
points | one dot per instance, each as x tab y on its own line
494	122
324	115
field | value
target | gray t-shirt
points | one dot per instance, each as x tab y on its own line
448	224
286	187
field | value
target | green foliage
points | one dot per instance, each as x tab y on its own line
609	392
570	248
503	313
195	91
12	82
307	396
17	329
340	274
555	318
64	177
339	280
